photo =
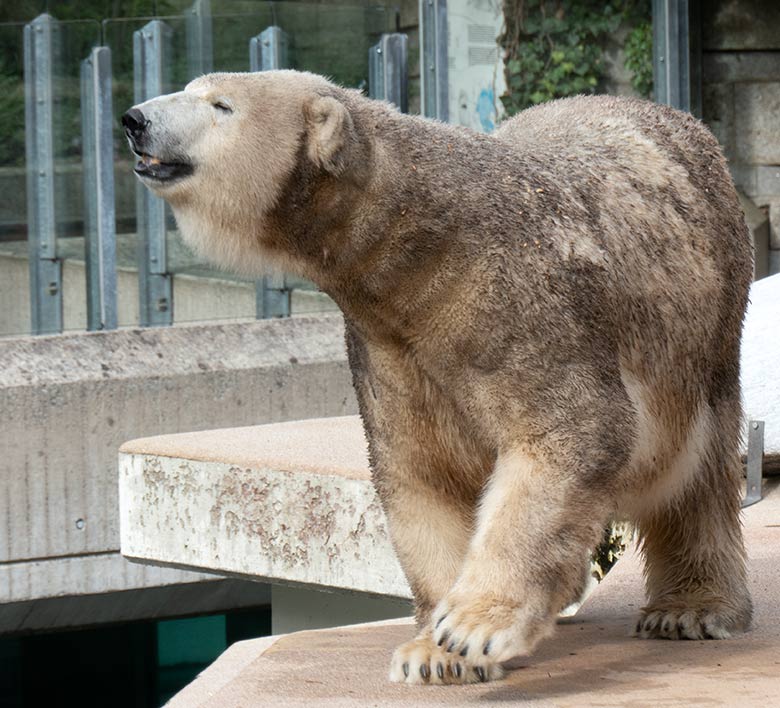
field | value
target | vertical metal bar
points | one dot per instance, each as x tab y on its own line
272	296
200	51
755	462
396	75
434	58
376	77
99	208
150	64
267	51
694	57
45	268
387	70
677	54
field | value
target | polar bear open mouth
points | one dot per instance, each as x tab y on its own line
153	168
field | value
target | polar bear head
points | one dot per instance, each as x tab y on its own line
222	152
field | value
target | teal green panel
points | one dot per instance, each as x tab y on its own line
198	640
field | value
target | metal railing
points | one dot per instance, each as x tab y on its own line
99	206
151	62
45	267
434	59
152	59
268	51
387	72
677	54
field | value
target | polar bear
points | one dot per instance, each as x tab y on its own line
543	328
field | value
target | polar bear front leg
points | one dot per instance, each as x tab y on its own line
524	561
431	535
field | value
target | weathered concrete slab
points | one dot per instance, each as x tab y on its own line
591	662
290	502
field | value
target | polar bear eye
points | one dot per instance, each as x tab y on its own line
222	104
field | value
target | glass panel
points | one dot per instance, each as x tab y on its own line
71	42
118	37
14	283
328	40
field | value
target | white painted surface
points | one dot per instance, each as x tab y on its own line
475	63
761	360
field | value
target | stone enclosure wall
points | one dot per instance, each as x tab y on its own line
741	98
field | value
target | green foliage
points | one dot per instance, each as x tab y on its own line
11	119
617	536
26	10
639	58
554	48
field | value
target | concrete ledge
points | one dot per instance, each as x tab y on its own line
592	660
289	502
67	402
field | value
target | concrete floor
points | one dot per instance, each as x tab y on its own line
591	661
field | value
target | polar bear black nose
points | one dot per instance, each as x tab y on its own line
134	122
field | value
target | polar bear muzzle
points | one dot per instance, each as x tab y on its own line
149	166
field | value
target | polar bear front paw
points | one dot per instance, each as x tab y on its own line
420	661
485	628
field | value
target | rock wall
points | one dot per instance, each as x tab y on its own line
741	98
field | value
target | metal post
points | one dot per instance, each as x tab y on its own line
755	462
387	73
98	159
677	54
272	296
433	52
269	50
200	52
45	268
150	63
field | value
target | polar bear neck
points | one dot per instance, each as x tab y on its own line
390	231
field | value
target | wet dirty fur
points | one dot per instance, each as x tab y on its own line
543	328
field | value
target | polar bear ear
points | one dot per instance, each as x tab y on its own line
330	131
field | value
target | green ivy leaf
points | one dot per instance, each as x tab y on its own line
560	47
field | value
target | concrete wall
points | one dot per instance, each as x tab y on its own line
67	403
741	98
197	298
